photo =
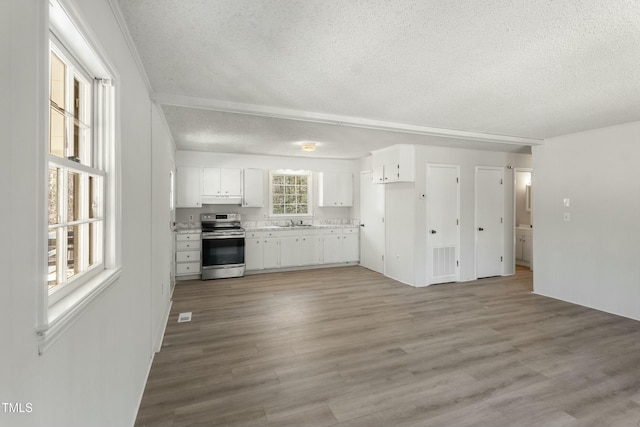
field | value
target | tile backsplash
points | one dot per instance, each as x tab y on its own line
259	217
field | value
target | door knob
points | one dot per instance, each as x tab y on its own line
361	225
433	231
480	229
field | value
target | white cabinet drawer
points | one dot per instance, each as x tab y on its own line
331	231
187	237
292	233
188	268
350	230
188	245
187	256
254	234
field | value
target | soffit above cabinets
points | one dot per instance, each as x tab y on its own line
368	74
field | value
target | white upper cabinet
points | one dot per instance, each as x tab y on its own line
221	182
188	187
378	174
198	186
335	189
253	196
394	164
211	181
221	186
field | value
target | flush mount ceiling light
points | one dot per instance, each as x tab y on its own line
309	146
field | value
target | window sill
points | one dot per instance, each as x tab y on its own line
64	313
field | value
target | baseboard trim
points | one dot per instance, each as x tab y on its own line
160	338
304	267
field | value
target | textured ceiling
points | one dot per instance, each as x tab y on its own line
533	69
205	130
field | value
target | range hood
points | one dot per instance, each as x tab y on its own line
221	200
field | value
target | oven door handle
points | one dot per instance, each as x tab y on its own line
205	237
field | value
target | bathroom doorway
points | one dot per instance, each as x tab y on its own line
523	254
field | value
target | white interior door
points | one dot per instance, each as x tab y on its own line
372	229
443	225
489	221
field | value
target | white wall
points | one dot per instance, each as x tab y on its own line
400	234
593	259
407	239
94	374
162	164
266	163
6	266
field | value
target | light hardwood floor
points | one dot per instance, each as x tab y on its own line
349	347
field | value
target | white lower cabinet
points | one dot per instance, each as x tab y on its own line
253	250
524	246
311	250
341	245
289	251
188	253
297	248
332	248
271	252
350	247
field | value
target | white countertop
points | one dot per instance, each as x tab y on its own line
187	227
297	227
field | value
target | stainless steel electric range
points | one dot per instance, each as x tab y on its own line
222	246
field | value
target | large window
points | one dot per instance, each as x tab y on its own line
79	231
75	179
290	193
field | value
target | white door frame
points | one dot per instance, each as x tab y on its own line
515	225
476	225
428	264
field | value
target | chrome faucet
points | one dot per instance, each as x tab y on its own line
292	224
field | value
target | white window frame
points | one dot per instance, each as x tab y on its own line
94	156
172	191
289	172
59	19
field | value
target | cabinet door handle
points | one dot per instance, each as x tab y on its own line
480	229
433	231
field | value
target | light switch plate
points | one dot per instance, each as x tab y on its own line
567	202
566	217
